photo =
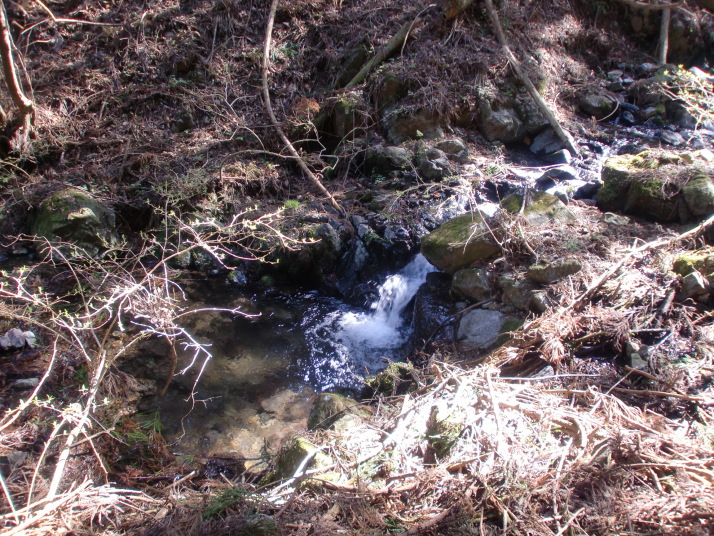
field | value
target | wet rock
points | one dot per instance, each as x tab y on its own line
562	156
598	105
672	138
546	142
472	283
561	173
405	125
335	412
432	306
699	195
546	273
76	217
542	208
383	160
460	242
501	124
434	165
588	190
479	328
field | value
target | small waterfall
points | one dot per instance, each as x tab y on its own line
345	345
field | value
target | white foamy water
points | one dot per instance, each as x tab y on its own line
346	345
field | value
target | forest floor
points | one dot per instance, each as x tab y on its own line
155	108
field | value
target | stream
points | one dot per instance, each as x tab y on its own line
257	389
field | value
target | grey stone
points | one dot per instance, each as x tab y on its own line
452	146
16	339
549	272
402	126
517	292
533	119
546	142
480	328
598	105
614	219
588	190
434	165
26	383
500	125
672	138
383	160
472	283
694	285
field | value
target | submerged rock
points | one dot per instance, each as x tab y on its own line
76	217
459	243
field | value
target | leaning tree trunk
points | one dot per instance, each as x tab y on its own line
25	107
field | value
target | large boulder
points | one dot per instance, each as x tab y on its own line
76	217
652	184
459	243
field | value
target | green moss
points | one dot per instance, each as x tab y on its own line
701	261
509	325
395	379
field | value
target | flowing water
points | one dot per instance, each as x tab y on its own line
257	388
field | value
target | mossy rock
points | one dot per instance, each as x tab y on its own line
701	261
699	194
396	379
290	460
459	243
509	325
472	283
643	185
384	160
549	272
542	209
76	217
331	411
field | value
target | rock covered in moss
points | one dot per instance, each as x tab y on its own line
695	261
382	160
294	457
397	378
598	105
643	184
74	216
331	411
541	208
549	272
459	243
699	194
